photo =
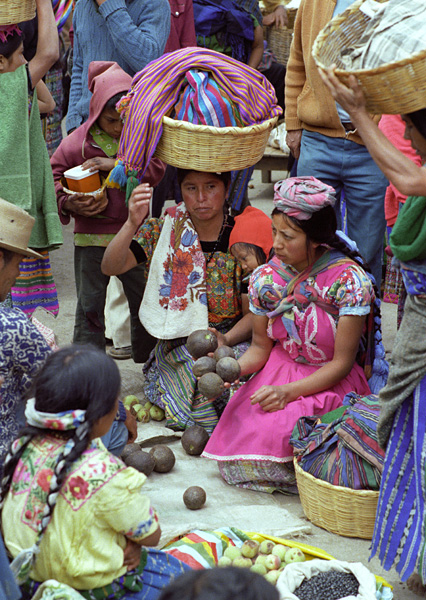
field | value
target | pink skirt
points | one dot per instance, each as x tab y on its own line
246	432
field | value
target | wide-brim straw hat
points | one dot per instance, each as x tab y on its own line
16	226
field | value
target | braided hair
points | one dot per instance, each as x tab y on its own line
77	377
226	583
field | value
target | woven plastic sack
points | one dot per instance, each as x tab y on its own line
295	573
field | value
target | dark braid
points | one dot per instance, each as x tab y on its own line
75	377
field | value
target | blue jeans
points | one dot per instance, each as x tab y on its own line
116	438
348	166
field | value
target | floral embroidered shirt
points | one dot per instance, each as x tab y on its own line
99	505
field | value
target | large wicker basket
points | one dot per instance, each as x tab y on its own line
279	41
338	509
393	88
16	11
212	149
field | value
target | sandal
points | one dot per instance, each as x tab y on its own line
120	353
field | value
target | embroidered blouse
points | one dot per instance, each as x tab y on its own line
99	505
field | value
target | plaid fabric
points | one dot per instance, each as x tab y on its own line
394	33
344	452
156	89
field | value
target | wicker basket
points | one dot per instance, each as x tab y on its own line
212	149
279	41
338	509
393	88
16	11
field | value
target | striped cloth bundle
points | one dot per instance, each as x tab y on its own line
156	89
62	10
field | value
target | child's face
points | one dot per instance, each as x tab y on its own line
245	257
15	60
110	122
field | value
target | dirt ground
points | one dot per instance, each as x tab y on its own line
224	496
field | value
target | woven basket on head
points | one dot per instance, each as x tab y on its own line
212	149
392	88
279	41
16	11
335	508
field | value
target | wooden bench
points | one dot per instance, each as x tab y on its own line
273	159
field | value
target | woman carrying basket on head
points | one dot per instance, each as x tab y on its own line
310	306
194	281
399	538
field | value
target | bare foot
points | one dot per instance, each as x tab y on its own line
415	584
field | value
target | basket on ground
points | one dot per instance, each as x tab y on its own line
338	509
212	149
16	11
392	88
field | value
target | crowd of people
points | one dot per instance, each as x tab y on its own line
295	297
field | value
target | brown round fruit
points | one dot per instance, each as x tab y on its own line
201	342
223	351
163	457
228	368
194	497
203	365
211	385
128	450
142	461
194	440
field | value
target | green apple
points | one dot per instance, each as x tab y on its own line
157	413
241	561
250	548
261	569
279	550
224	561
266	547
232	552
272	562
294	555
272	576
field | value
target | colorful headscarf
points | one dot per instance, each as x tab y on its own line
252	226
7	30
61	421
299	197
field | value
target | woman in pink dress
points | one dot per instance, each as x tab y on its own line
310	302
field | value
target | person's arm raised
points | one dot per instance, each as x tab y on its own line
405	175
118	257
47	52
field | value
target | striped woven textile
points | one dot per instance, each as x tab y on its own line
399	534
62	10
204	102
155	91
35	286
344	452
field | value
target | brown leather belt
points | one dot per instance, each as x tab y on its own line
348	126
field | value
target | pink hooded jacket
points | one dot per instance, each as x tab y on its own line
105	80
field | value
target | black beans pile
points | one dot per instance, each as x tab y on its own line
329	585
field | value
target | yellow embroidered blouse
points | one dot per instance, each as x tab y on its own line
99	505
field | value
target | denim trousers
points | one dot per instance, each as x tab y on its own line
348	167
91	285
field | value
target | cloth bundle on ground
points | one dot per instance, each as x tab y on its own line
341	447
156	90
395	32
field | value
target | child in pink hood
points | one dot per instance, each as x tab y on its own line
99	217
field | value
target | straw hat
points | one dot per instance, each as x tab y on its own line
15	229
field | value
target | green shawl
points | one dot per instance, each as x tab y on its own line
26	178
408	237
